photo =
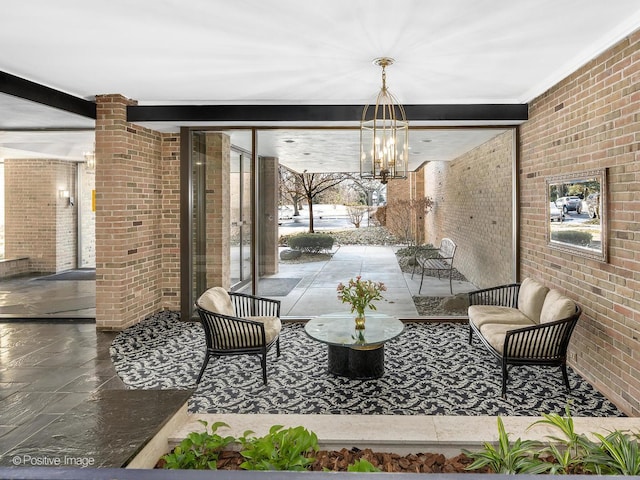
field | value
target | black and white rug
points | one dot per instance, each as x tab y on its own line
429	370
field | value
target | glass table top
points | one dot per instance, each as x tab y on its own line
340	329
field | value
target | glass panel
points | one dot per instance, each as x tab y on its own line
221	214
235	204
246	215
240	205
1	209
198	162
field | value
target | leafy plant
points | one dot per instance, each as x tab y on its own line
617	454
200	450
362	465
510	458
568	451
280	449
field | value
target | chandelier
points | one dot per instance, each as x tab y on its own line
384	134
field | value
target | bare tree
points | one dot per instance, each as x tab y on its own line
291	188
305	185
367	187
356	213
403	217
314	184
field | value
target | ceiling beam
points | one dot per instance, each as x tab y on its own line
320	113
28	90
19	87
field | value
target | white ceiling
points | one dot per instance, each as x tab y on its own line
293	52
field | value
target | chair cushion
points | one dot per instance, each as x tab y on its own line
531	298
481	315
494	333
272	326
556	307
216	299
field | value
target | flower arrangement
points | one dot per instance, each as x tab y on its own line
361	294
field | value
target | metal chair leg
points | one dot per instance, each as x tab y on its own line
563	367
505	374
204	366
263	361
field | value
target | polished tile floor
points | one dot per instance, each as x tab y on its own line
41	298
61	400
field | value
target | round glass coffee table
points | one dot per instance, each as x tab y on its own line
352	353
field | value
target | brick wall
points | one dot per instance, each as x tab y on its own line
38	223
170	168
129	215
473	198
588	121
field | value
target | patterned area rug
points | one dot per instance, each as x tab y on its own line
429	370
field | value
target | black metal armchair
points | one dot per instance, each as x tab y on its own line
238	324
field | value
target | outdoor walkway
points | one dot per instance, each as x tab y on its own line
315	294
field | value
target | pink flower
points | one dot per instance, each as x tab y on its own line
361	294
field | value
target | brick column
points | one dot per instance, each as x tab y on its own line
128	217
218	216
268	215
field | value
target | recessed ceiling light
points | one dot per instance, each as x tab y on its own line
306	153
426	140
289	141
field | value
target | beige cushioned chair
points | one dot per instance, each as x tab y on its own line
238	324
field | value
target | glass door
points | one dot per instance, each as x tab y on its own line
217	214
240	188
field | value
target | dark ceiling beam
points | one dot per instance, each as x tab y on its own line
320	113
19	87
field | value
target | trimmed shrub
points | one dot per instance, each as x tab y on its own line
574	237
311	242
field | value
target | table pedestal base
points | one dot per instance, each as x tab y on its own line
357	363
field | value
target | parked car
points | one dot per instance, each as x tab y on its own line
555	213
593	205
570	204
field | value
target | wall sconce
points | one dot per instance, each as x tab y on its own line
90	158
66	194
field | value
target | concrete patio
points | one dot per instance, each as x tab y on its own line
315	294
